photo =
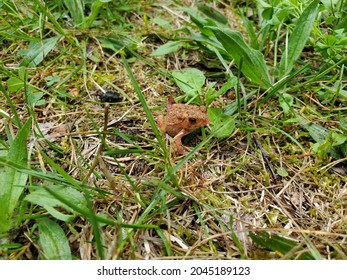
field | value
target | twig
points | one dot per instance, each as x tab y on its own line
101	147
265	157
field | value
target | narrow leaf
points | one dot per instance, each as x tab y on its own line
37	51
250	31
167	48
212	13
45	199
277	243
76	9
95	11
298	38
189	80
111	43
223	125
253	62
14	84
144	105
54	244
12	181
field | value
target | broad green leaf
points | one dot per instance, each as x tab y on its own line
12	181
22	73
169	47
282	172
342	22
329	5
35	99
253	62
37	51
45	199
210	43
14	84
223	125
50	80
54	243
343	123
298	38
327	141
317	132
338	139
190	81
145	107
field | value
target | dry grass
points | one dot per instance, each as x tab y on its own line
225	188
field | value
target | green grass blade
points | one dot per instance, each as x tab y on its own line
88	213
145	107
49	176
54	243
253	62
274	89
313	250
16	118
169	47
146	213
166	243
61	171
76	9
44	9
250	31
36	52
298	38
12	181
277	243
50	203
275	128
94	12
213	14
236	239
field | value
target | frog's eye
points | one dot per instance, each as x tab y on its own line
192	120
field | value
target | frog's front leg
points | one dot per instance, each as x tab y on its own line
178	142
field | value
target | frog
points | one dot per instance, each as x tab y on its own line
180	120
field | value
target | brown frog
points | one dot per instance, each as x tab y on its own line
180	120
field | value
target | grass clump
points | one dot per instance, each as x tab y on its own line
89	180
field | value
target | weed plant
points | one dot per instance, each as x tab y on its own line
84	179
